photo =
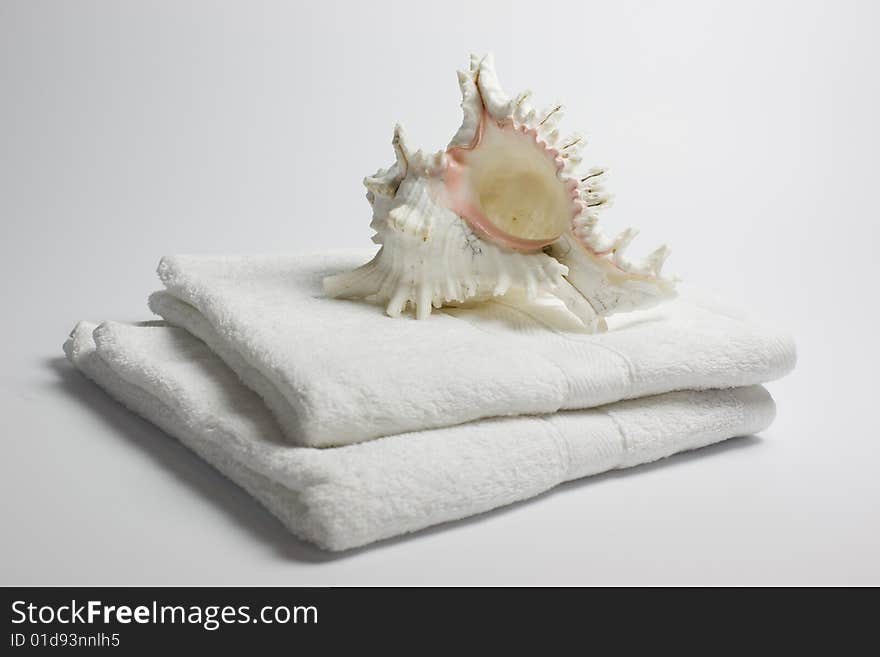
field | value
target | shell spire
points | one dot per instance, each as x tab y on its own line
503	207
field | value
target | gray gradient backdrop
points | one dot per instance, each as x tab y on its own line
742	133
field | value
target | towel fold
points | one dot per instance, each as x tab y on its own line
349	496
337	372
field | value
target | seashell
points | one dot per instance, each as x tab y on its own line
502	208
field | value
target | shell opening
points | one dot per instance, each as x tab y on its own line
507	186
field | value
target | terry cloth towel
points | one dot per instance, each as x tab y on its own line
336	372
349	496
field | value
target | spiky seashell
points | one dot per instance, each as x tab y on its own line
501	208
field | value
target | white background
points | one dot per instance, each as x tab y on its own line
744	134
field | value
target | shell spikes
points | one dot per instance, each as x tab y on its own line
502	208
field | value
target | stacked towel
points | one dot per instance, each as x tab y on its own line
351	426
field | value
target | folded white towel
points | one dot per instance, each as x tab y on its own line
348	496
338	372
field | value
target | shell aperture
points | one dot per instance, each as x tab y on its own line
507	185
